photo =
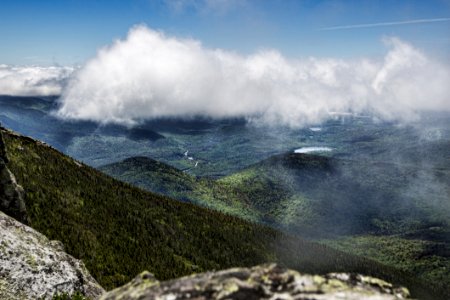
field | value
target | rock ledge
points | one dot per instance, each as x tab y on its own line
260	282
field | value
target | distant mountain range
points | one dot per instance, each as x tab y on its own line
221	147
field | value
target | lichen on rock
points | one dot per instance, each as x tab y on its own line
260	282
33	267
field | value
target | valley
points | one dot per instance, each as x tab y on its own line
380	191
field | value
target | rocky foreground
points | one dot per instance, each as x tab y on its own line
33	267
260	282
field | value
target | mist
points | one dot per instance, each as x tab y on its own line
150	75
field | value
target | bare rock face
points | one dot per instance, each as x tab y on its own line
260	282
33	267
11	194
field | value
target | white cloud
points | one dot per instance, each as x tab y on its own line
150	75
32	80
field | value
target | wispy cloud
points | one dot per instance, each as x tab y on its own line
383	24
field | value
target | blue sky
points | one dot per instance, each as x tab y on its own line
68	32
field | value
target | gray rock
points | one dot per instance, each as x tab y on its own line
11	194
33	267
260	282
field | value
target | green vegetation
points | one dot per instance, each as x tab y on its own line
323	197
307	194
119	230
161	178
429	259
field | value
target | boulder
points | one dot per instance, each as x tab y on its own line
260	282
33	267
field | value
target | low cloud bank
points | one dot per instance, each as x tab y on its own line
150	75
32	80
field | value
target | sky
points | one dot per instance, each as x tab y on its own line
69	32
277	62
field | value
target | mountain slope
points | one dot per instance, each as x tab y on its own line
161	178
119	230
396	212
348	196
309	194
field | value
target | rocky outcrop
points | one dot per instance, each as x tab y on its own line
33	267
260	282
11	194
2	147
